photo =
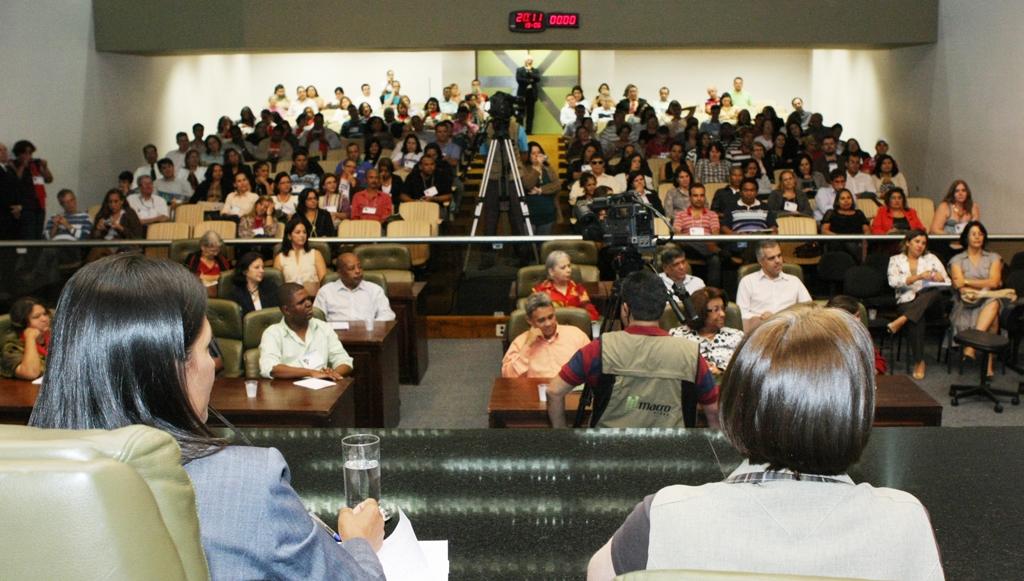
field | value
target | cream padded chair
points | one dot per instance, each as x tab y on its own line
168	231
428	212
190	214
226	228
419	254
359	229
97	504
869	207
925	208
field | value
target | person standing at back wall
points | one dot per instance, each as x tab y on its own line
528	81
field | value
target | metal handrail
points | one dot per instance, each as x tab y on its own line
489	240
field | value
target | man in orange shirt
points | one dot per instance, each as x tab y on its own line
546	347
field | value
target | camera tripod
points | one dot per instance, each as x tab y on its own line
516	198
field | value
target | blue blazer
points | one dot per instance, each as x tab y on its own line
254	526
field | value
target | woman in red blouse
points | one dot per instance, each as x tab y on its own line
208	263
895	215
563	290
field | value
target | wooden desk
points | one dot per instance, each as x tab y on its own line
514	404
375	372
412	330
278	403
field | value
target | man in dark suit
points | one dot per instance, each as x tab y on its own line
8	195
528	80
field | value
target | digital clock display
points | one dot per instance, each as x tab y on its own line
536	21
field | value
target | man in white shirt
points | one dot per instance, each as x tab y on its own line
173	189
675	269
763	293
857	181
825	199
301	346
149	168
568	113
351	298
178	155
661	105
150	208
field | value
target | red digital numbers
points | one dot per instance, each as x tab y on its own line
534	21
566	20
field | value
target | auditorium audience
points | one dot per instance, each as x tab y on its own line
716	341
371	203
149	208
597	173
559	285
69	224
212	151
164	381
769	290
637	187
212	189
241	201
260	222
913	274
677	199
640	362
887	175
895	216
284	200
249	286
350	298
789	473
409	154
845	218
320	221
390	183
338	204
297	261
26	345
149	153
428	183
857	181
676	271
170	186
974	271
300	345
208	262
789	199
542	350
825	198
541	185
115	220
955	211
714	168
748	214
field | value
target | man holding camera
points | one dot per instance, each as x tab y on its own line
641	376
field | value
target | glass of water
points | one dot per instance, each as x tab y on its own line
361	454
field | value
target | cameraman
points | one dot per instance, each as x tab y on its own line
640	377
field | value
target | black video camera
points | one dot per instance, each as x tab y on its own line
627	223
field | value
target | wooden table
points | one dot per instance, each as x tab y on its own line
412	330
375	372
278	403
514	404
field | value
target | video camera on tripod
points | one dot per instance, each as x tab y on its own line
628	223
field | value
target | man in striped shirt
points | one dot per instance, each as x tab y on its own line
70	224
698	220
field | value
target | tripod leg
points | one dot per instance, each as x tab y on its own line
481	195
520	195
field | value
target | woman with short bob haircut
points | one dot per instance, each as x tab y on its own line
797	401
112	367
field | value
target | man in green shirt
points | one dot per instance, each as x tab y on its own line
300	346
740	99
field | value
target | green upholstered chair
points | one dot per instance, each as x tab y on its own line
582	253
97	504
528	276
226	321
224	284
253	326
694	575
790	269
180	249
573	316
390	260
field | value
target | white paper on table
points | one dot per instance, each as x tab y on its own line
404	557
314	383
339	325
38	381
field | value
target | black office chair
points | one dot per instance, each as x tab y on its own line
832	269
985	344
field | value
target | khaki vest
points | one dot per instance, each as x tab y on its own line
648	371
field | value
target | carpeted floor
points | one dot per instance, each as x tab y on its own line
457	386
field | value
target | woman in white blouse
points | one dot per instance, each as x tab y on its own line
241	201
409	154
716	341
917	276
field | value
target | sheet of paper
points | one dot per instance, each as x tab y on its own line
339	325
405	558
313	383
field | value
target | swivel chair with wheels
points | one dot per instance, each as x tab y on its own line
985	344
